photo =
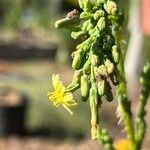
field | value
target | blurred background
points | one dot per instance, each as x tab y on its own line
31	50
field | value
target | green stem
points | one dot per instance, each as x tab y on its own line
140	125
124	104
104	138
123	101
72	87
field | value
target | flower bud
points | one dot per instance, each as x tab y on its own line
104	132
89	26
142	97
146	68
77	75
94	111
87	5
96	72
101	24
94	60
106	139
101	2
85	87
107	146
76	35
143	80
77	60
81	4
87	66
85	24
101	87
93	32
115	54
110	7
79	47
102	70
109	65
98	14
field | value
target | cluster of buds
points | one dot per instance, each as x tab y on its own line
96	58
98	55
140	119
145	82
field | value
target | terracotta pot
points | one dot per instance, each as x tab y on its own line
146	16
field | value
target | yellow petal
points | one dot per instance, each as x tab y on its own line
67	109
55	80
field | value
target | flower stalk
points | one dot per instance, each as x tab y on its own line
98	62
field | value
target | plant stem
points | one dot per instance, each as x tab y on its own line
140	125
123	102
105	139
124	105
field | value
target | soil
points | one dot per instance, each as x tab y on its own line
15	143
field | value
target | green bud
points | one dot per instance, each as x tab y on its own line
106	139
77	75
94	110
146	68
85	25
108	146
87	66
77	60
93	32
101	87
101	2
98	14
110	7
85	87
83	14
79	46
81	4
104	132
85	47
89	26
76	35
101	24
94	60
109	65
145	92
96	71
143	80
87	6
115	54
142	97
102	70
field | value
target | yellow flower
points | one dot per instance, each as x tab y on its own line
59	96
123	144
